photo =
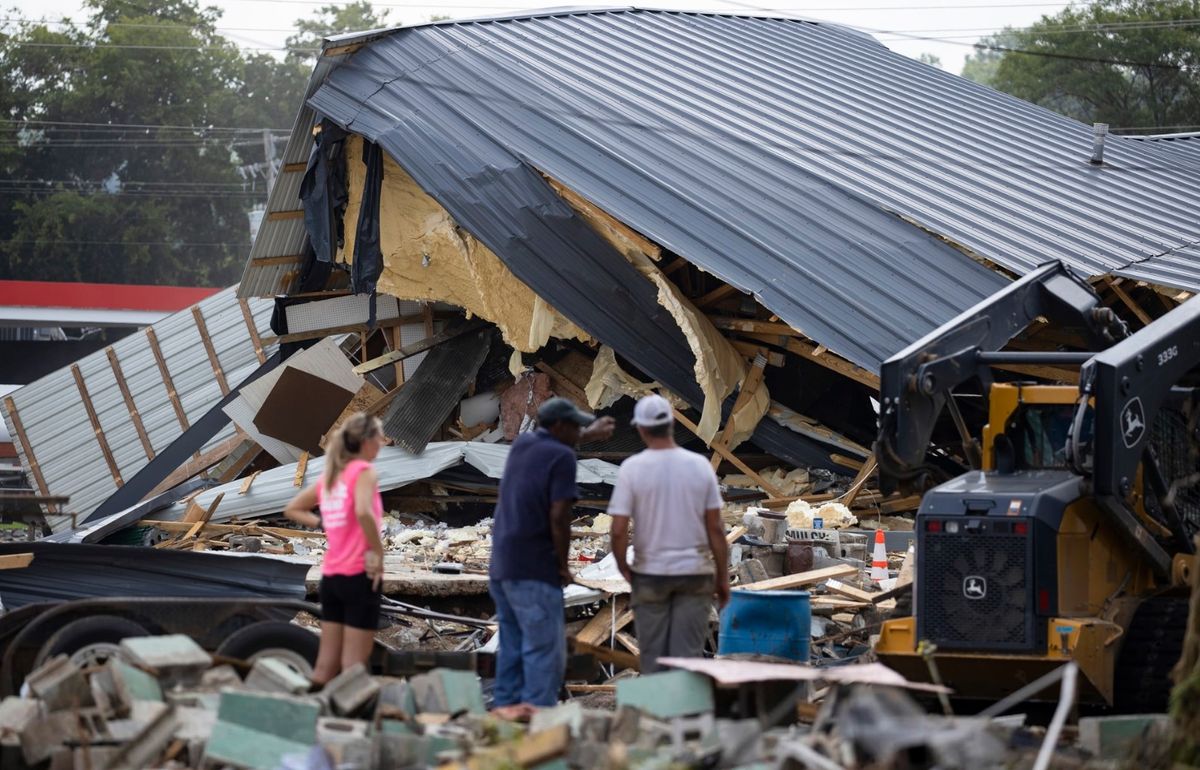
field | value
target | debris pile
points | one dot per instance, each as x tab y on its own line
162	702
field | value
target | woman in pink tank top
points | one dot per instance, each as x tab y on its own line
351	513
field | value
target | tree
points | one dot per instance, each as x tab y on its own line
123	156
932	59
358	16
981	66
1129	63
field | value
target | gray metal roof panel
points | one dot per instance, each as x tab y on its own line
829	263
57	424
776	97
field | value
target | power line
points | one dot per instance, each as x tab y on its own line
145	125
48	242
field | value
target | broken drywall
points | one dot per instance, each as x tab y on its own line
427	256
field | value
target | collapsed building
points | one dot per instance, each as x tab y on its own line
746	212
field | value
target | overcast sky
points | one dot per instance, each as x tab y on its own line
955	24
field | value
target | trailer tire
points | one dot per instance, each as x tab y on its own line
91	640
293	644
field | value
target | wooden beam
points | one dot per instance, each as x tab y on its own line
301	468
417	347
570	389
427	317
329	331
838	587
750	384
252	330
165	373
237	464
1053	373
618	658
589	209
716	295
101	439
809	350
289	259
342	50
176	527
202	327
677	264
201	462
16	561
275	216
767	487
208	512
248	481
600	627
734	534
294	168
860	480
802	578
129	405
751	350
1135	308
396	342
753	326
22	437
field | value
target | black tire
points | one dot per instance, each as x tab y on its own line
250	642
1152	645
98	634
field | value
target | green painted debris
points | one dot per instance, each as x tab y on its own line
667	695
137	684
1112	737
256	730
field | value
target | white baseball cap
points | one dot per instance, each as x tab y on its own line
651	411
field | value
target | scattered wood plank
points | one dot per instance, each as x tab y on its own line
715	296
204	517
776	503
248	482
274	216
1135	308
751	350
199	463
860	480
836	603
749	387
802	578
628	642
599	628
845	589
618	658
16	561
809	350
568	388
734	534
588	688
530	751
288	259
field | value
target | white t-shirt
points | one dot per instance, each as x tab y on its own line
666	492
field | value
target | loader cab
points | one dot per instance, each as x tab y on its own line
1028	426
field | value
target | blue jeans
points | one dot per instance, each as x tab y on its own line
532	658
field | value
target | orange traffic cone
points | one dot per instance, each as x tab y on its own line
879	562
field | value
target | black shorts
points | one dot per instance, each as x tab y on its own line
350	600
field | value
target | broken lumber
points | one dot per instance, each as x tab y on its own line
16	561
801	578
228	529
605	655
417	347
600	627
838	587
769	488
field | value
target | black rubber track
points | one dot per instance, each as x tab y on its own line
1151	647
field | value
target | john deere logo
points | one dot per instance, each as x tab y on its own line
1133	422
974	587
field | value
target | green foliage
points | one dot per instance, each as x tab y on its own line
933	60
332	20
1138	70
117	158
981	66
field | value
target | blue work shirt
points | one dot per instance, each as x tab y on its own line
540	470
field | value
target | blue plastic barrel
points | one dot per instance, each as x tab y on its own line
775	623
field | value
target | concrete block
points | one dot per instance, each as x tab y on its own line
256	730
273	675
626	725
447	691
219	677
355	754
46	734
351	690
209	701
92	757
668	694
569	714
15	714
175	657
338	730
1112	737
396	727
195	724
395	699
60	684
144	749
407	751
116	686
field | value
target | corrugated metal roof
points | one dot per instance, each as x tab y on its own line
272	489
741	112
57	425
617	107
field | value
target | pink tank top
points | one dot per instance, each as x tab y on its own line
345	541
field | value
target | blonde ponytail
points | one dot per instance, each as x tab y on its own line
347	443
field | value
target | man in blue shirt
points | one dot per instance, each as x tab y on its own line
531	537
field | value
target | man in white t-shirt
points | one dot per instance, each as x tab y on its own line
679	546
